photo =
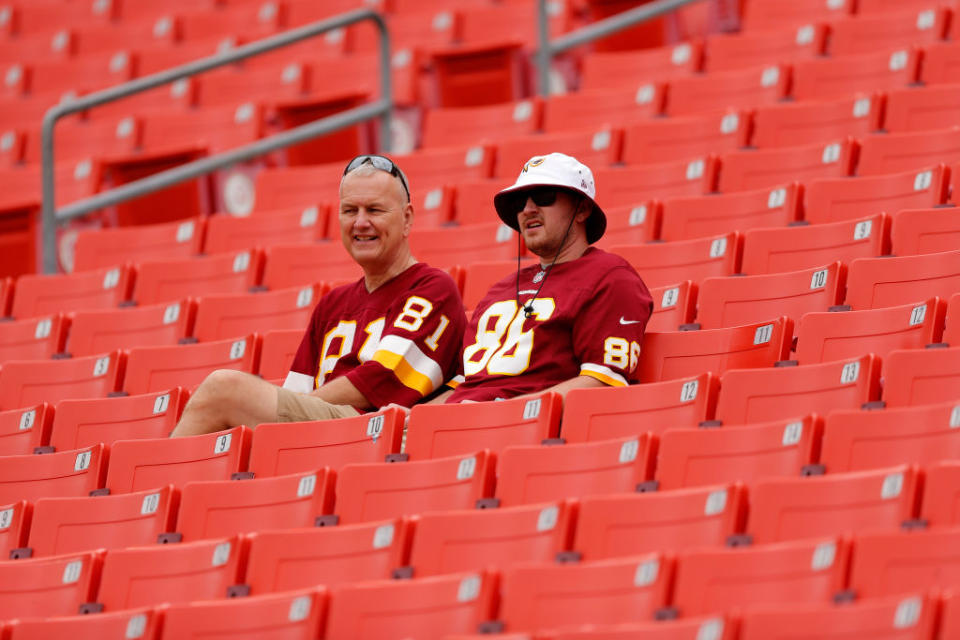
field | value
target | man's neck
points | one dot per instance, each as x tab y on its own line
373	280
569	253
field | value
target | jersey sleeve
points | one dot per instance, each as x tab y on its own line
303	370
609	330
419	346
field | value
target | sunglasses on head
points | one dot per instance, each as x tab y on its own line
541	196
383	164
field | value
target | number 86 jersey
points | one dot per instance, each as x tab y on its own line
588	320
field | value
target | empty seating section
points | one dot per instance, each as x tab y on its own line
668	263
885	282
924	231
158	368
756	169
99	331
27	382
298	612
914	377
715	214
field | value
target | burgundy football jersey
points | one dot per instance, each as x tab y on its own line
396	344
587	320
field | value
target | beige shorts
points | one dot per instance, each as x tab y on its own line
301	407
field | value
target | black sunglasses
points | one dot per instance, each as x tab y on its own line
383	164
541	196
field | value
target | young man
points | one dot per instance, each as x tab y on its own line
392	337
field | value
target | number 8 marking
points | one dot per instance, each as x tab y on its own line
499	356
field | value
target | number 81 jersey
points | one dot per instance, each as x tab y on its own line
588	319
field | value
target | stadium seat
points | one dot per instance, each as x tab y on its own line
914	109
99	331
940	504
728	51
685	629
44	587
808	246
595	148
666	263
212	129
677	354
906	617
67	473
297	615
528	475
714	214
476	125
158	368
472	199
25	383
32	338
446	247
720	90
635	185
230	315
599	109
496	539
14	526
799	123
277	188
832	78
432	168
228	234
37	295
924	231
899	152
99	248
292	447
478	73
617	412
763	14
69	525
885	282
736	301
620	590
834	336
630	224
887	31
951	334
698	457
765	168
480	275
297	265
428	608
673	305
167	280
277	349
143	624
301	558
440	430
143	576
217	509
23	430
896	562
940	63
613	526
760	395
921	376
136	465
388	490
684	138
804	571
609	69
831	200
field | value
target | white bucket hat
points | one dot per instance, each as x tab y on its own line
554	170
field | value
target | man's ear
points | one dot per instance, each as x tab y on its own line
583	210
407	218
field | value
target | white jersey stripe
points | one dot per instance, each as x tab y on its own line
605	372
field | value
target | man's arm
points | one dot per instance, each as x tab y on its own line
341	391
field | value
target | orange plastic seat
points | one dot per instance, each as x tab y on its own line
898	562
746	49
228	234
759	14
666	263
940	61
885	282
46	587
609	69
709	626
158	368
764	168
166	280
446	247
602	108
25	383
297	265
37	295
635	185
14	526
830	78
230	315
32	338
883	32
23	430
914	109
277	349
630	224
831	200
212	129
99	248
279	188
951	333
799	123
99	331
673	305
432	168
902	152
916	231
146	622
613	526
476	125
479	276
598	148
921	376
684	138
711	215
67	473
720	90
940	504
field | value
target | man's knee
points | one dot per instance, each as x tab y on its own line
222	384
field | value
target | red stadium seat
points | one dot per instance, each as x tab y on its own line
808	246
227	234
788	125
223	508
613	526
436	167
710	215
158	368
167	280
388	490
905	617
921	376
762	14
841	503
900	152
454	541
297	265
597	148
427	608
292	447
439	430
924	231
99	248
753	169
684	138
14	526
23	430
145	623
744	50
212	129
47	586
831	78
630	224
885	282
685	629
296	187
940	504
721	90
297	615
698	457
666	263
230	315
479	276
618	412
677	354
897	562
66	473
605	108
277	349
914	109
608	70
884	32
478	73
446	247
142	576
32	338
837	199
99	331
673	305
82	423
27	382
476	125
136	465
633	186
940	62
300	558
805	571
618	591
37	295
760	395
736	301
834	336
473	199
69	525
529	475
951	334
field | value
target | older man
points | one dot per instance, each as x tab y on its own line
392	337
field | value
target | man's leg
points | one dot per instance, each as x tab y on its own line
226	399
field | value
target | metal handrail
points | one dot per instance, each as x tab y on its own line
381	108
608	26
